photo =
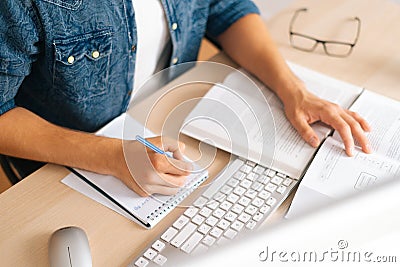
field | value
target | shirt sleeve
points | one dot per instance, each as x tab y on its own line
223	13
19	38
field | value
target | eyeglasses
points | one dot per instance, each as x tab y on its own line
308	43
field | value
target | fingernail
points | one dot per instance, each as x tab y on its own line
351	151
313	141
368	148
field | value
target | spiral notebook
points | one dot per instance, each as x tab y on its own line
111	192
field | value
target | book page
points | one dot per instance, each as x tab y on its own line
383	114
251	123
333	175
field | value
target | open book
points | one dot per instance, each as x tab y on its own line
111	192
244	117
332	175
271	140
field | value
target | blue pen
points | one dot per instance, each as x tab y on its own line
152	146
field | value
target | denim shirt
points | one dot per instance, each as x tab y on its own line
72	61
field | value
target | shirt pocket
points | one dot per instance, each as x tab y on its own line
81	65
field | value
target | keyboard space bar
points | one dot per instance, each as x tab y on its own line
222	178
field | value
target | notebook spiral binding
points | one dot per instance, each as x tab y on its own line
174	201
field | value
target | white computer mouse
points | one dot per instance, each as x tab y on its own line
69	247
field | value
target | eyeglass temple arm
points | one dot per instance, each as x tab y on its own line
296	14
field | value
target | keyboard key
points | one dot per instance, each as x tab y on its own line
287	182
244	201
225	205
219	213
245	184
276	180
237	208
205	212
264	194
270	187
169	234
230	216
180	222
183	234
141	262
233	182
259	169
239	190
270	173
237	225
246	169
244	217
281	174
219	197
190	212
158	245
216	232
251	163
192	242
232	198
200	202
271	201
150	253
251	193
257	186
160	259
209	240
252	176
211	221
198	219
223	224
258	216
239	175
204	228
213	204
281	189
221	179
230	233
263	179
258	202
264	209
251	224
226	189
251	210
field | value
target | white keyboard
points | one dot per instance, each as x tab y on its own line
236	202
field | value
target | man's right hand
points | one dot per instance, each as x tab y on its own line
147	172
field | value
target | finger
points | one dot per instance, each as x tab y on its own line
172	180
306	132
169	145
357	132
168	165
364	124
339	124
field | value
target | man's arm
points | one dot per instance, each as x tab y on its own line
249	43
24	134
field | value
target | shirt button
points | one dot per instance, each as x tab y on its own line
95	54
133	48
71	59
174	26
174	60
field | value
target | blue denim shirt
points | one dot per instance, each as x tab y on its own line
47	64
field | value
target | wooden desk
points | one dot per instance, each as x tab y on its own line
40	204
